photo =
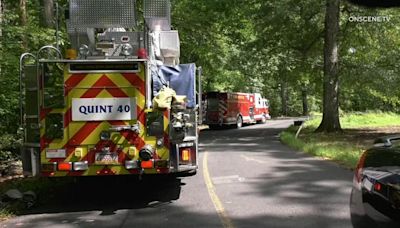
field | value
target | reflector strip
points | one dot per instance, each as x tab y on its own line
79	166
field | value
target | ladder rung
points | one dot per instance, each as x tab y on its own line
32	116
27	144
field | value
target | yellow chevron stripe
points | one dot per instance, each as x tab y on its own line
74	127
89	80
141	73
163	153
140	99
60	174
119	170
93	170
67	75
94	135
119	80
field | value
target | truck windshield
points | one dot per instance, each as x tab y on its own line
212	104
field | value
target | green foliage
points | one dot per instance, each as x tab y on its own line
327	146
369	119
5	213
375	119
344	148
17	39
9	145
245	46
257	45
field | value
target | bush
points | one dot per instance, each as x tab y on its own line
9	147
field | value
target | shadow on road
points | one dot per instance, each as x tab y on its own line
297	189
280	188
108	194
249	137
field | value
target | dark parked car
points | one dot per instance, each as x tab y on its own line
375	197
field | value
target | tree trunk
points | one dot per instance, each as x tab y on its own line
47	13
284	98
304	94
23	17
330	119
1	19
23	20
1	34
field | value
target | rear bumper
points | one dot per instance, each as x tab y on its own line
116	170
224	121
363	214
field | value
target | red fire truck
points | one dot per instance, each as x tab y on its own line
231	108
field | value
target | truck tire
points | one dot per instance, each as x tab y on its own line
263	119
239	122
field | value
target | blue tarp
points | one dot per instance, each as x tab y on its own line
180	78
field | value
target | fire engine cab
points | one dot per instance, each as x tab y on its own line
230	108
119	103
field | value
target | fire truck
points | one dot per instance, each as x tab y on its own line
118	102
230	108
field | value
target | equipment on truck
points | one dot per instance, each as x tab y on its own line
230	108
92	113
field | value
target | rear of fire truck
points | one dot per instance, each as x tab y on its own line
119	103
225	108
233	108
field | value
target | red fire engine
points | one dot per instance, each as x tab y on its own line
230	108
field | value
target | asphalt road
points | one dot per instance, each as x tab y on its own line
247	178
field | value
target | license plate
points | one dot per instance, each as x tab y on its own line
106	158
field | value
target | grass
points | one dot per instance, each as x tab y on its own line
6	213
344	148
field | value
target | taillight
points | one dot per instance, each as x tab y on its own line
64	166
147	164
377	186
185	155
360	166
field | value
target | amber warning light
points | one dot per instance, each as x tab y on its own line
186	154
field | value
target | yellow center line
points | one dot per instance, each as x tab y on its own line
226	221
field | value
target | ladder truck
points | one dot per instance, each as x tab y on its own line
117	101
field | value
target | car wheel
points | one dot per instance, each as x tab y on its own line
239	122
214	126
